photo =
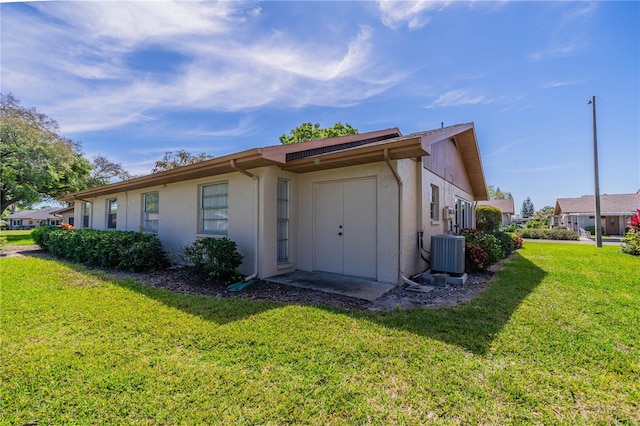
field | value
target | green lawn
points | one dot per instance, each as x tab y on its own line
18	238
553	340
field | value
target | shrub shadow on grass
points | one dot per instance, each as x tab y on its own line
218	310
471	325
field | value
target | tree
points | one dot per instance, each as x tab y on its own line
527	208
104	171
546	210
497	194
310	132
179	158
488	218
37	162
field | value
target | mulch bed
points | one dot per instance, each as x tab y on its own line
184	280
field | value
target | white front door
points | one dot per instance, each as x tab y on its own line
345	227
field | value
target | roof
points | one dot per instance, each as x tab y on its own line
41	214
610	204
310	156
505	206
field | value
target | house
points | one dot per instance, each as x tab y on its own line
29	219
353	205
505	206
615	212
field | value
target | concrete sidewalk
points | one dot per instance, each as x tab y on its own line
612	241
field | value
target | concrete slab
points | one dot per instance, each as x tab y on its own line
358	287
445	278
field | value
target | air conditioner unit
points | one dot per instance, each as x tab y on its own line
447	253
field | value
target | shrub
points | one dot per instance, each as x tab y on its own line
511	227
547	234
506	241
561	234
126	250
631	243
488	218
218	258
536	224
592	230
40	235
475	258
487	242
3	242
517	241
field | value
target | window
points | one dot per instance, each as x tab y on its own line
283	220
464	217
214	208
112	209
71	220
434	202
86	215
151	209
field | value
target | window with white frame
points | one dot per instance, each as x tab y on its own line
112	212
464	214
151	210
283	220
434	202
86	215
214	208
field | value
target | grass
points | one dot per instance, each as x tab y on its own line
18	238
553	340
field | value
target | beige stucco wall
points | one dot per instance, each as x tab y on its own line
386	220
178	214
179	210
448	193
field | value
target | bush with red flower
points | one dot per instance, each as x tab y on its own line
631	241
483	249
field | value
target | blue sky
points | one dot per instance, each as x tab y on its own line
131	80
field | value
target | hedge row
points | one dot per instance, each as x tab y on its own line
547	234
125	250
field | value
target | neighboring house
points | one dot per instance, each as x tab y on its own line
615	212
505	206
353	205
66	214
29	219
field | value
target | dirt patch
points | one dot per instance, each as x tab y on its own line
182	280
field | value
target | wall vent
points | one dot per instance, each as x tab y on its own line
447	253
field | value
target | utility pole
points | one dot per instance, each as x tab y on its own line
595	171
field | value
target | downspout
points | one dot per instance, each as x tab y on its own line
399	181
256	222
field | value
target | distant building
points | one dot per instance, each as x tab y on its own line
615	212
505	206
29	219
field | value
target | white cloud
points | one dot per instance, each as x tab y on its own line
243	128
553	51
460	97
80	56
395	13
560	83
